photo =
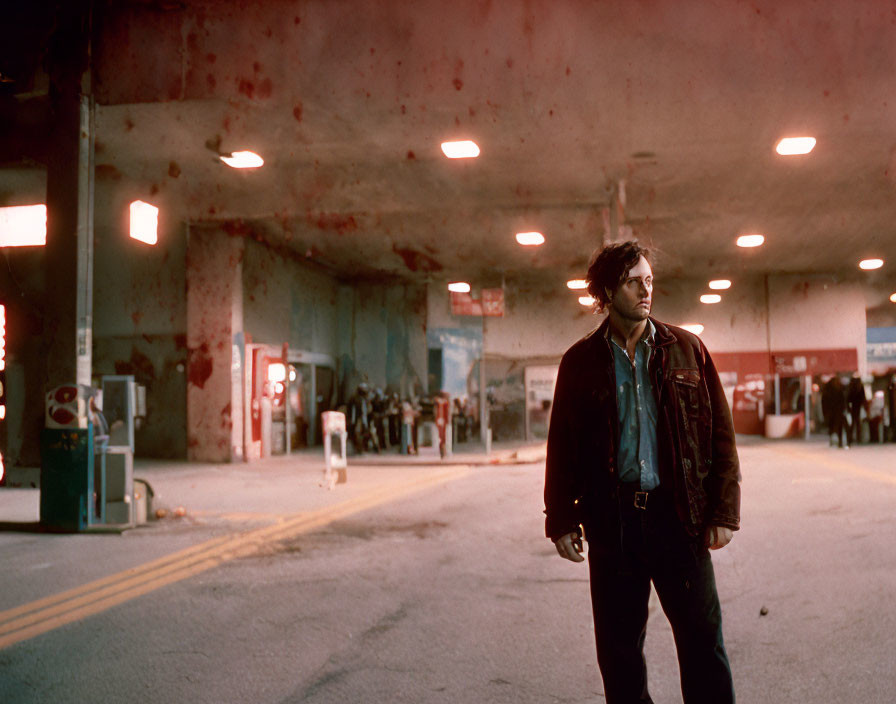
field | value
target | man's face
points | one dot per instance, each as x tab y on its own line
633	298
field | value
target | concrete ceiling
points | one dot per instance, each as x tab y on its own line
348	101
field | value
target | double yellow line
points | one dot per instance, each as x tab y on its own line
38	617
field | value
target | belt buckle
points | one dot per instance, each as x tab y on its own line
641	500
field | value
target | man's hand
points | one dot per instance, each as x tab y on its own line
570	547
717	537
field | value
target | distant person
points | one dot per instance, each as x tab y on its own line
891	407
856	400
641	454
876	417
833	406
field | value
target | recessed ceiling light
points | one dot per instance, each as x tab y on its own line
695	328
530	239
893	298
242	160
710	298
144	222
720	284
459	287
791	146
586	300
750	240
869	264
464	149
576	284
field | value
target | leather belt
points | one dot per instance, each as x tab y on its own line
639	499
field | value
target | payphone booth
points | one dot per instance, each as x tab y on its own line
266	411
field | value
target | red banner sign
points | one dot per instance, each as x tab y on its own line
490	303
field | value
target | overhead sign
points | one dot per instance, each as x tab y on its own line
490	303
881	348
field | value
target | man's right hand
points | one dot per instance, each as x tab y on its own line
570	547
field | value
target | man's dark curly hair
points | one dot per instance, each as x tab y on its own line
609	268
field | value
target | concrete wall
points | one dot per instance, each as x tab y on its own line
803	313
140	326
538	325
537	322
382	337
374	332
286	301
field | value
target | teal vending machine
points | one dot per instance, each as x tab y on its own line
67	502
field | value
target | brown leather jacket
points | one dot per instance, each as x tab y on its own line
695	438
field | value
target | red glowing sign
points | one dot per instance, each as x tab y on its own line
2	376
2	367
23	226
2	338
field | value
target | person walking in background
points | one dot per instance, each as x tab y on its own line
641	455
857	401
833	405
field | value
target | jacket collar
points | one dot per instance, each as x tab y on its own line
662	335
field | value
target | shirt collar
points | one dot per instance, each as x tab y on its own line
648	336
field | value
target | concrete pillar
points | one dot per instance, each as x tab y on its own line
214	322
43	305
68	196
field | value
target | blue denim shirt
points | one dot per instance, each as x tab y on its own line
636	405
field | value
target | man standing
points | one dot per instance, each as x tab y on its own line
641	455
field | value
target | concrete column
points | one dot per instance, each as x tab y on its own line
68	196
214	319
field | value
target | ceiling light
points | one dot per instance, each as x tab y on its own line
144	222
893	298
720	284
586	300
576	284
695	328
464	149
710	298
459	287
790	146
23	226
242	160
750	240
530	239
869	264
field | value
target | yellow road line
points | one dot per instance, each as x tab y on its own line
32	619
842	465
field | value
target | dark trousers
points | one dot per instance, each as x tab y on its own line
854	432
656	548
838	427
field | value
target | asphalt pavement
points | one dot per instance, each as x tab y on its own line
430	581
